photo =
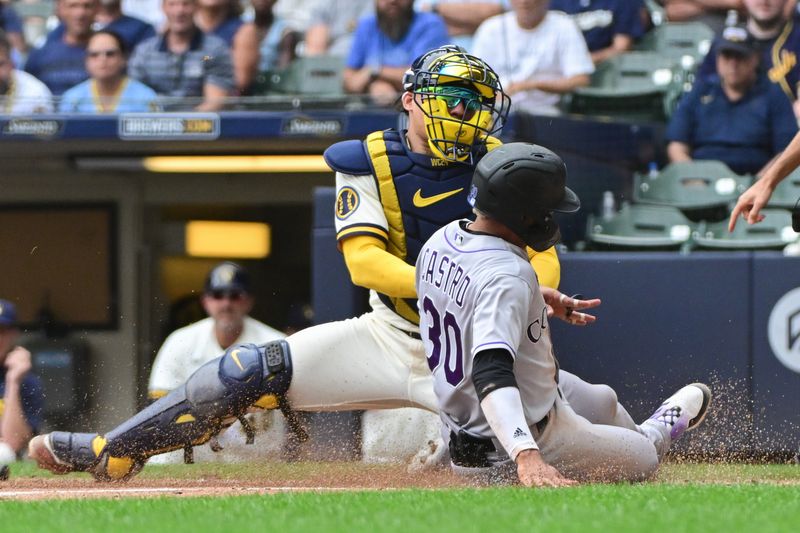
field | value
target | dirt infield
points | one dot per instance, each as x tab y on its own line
229	480
274	478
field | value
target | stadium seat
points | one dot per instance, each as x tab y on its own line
773	233
700	189
630	85
787	192
304	76
678	39
641	227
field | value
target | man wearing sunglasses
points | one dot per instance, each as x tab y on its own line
228	300
394	189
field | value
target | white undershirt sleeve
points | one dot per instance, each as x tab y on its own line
503	410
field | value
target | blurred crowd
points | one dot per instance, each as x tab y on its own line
111	56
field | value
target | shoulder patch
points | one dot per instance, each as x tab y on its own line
348	157
346	202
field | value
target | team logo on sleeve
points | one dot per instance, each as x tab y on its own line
346	202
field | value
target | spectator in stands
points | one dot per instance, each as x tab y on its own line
227	299
384	46
222	18
610	27
59	63
21	398
738	118
109	17
11	24
184	62
538	54
131	29
296	13
332	25
20	93
463	17
267	43
710	12
778	37
108	89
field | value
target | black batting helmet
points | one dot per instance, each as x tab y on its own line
520	185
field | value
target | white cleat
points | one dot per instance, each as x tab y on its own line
684	410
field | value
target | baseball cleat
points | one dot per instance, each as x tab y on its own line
5	471
61	452
684	410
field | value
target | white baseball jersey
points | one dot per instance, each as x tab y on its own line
188	348
478	292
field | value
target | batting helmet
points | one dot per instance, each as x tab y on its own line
520	185
448	77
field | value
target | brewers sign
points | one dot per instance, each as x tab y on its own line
174	126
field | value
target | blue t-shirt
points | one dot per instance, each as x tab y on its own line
745	135
9	20
779	58
227	29
136	97
372	47
130	29
601	20
31	395
58	65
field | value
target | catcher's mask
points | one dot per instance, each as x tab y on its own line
461	98
521	185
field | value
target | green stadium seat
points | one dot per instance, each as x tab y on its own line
773	233
630	85
787	192
320	75
700	189
641	227
678	39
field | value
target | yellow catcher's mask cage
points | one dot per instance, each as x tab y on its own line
461	98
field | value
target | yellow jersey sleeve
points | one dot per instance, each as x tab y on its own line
547	266
371	266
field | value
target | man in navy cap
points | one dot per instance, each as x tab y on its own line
21	396
737	117
227	299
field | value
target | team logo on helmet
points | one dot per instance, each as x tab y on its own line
462	100
346	202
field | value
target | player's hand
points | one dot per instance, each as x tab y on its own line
750	203
534	472
18	363
567	308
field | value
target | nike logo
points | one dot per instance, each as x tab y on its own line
419	201
235	357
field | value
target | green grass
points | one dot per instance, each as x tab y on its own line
686	497
589	508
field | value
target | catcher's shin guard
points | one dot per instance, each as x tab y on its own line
210	400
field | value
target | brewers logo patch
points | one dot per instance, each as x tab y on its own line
346	202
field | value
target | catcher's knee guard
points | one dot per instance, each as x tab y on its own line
211	399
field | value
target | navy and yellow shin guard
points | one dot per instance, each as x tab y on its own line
211	399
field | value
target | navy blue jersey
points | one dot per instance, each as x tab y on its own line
32	398
601	20
778	59
745	135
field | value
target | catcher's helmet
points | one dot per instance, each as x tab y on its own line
446	78
520	185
